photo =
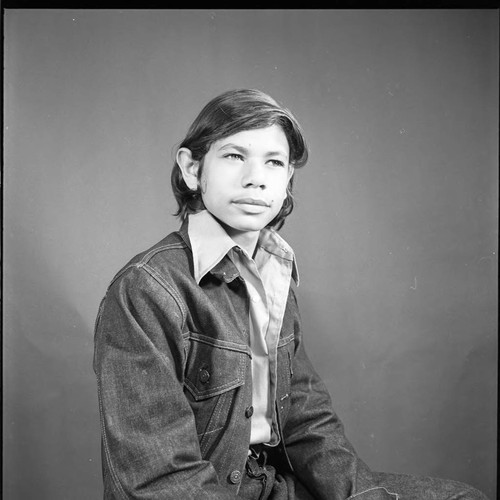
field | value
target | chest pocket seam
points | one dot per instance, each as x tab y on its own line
286	340
218	360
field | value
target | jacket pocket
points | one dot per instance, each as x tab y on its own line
213	366
214	372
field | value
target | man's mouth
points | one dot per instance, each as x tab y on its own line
251	201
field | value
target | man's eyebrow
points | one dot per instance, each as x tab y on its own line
243	150
238	148
277	153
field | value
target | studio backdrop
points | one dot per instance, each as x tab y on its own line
395	223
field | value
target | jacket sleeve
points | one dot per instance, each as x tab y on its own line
150	448
321	455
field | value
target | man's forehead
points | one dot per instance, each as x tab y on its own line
272	138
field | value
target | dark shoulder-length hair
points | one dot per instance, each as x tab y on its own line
225	115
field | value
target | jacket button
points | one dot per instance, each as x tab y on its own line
204	376
249	412
235	476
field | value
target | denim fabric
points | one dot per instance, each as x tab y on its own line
265	483
173	369
411	487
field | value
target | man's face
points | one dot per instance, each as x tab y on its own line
244	178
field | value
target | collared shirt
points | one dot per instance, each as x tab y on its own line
267	277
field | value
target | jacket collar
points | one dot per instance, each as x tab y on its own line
210	245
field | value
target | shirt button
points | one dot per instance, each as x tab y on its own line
235	476
204	376
249	412
255	298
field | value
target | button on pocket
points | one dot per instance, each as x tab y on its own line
204	375
235	476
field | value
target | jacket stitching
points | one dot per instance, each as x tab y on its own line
221	344
112	471
170	246
168	287
373	489
286	340
218	409
146	258
217	390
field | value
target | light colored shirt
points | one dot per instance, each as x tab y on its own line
267	278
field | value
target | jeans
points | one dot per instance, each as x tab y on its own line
263	482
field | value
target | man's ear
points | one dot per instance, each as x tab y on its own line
189	168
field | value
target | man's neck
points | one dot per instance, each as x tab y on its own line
245	239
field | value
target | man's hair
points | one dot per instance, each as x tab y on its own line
232	112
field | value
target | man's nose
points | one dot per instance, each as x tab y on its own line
254	174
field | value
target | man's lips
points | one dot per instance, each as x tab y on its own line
251	201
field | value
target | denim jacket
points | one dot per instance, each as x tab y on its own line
173	368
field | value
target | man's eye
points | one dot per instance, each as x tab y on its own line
277	163
234	156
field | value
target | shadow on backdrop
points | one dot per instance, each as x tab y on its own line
51	429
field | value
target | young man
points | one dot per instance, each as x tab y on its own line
205	388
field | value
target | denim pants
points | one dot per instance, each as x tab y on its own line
263	482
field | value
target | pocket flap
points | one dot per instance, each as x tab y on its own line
213	366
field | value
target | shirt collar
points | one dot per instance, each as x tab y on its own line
271	242
210	244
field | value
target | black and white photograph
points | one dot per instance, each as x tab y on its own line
250	254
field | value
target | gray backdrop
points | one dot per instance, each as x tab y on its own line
395	227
